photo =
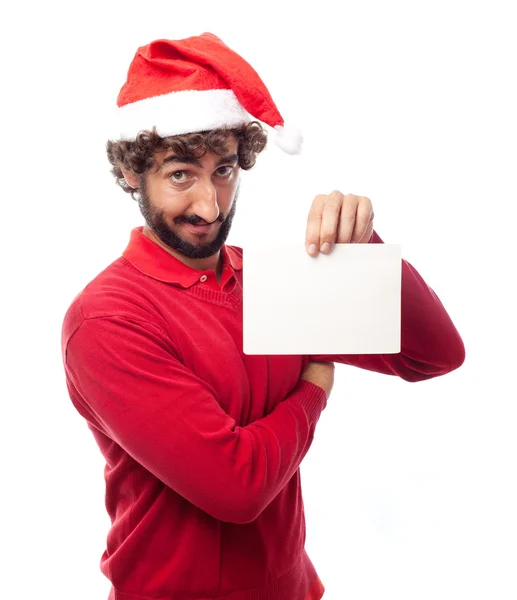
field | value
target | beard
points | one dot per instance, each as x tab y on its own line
156	222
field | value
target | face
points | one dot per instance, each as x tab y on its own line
190	204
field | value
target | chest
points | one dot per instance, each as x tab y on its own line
247	387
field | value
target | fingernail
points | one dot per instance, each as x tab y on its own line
312	249
325	247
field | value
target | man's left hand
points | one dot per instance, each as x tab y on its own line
338	219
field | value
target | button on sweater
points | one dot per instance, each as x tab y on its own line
202	442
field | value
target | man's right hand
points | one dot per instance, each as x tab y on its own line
320	373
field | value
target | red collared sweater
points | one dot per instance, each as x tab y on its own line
203	443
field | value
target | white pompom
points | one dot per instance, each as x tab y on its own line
289	139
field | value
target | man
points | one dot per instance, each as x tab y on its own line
202	442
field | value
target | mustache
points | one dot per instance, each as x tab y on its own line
198	221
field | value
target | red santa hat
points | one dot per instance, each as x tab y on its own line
196	84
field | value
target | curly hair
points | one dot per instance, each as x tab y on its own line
138	155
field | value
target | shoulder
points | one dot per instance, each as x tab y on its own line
115	291
235	255
235	249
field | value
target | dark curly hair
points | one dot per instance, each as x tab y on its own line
138	155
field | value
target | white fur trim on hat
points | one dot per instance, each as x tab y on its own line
289	139
182	112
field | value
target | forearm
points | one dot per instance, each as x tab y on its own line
123	380
430	343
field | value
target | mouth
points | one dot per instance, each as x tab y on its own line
200	229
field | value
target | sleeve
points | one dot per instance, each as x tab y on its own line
133	388
430	344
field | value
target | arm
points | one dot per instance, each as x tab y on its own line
430	344
131	386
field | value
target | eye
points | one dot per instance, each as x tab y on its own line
179	176
224	171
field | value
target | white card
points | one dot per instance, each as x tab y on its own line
347	302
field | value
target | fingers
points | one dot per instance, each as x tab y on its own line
363	221
323	222
336	218
365	238
348	219
312	236
331	215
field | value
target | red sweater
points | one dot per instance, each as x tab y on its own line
202	442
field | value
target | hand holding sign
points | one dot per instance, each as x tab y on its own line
338	219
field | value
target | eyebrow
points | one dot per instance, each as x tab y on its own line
232	158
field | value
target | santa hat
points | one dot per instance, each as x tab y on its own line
196	84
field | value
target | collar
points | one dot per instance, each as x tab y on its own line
152	260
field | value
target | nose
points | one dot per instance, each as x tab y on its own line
204	203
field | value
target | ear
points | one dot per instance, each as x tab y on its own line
132	179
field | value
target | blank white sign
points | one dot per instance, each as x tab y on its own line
347	302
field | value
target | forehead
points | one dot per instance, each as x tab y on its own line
231	144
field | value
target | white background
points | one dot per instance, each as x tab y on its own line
409	489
